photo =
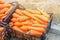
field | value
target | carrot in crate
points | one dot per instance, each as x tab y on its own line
1	15
33	11
34	21
2	1
37	12
43	13
32	16
25	28
18	24
4	6
23	18
42	17
3	11
31	21
19	12
39	25
37	29
30	11
26	23
14	19
8	10
7	5
34	33
11	23
15	15
17	28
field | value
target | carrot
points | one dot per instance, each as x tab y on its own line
14	20
3	11
2	1
17	24
8	5
1	15
23	18
8	10
37	12
4	6
17	28
39	25
34	21
15	15
26	23
31	16
37	29
30	21
43	18
24	28
11	23
30	11
34	33
33	11
19	12
43	13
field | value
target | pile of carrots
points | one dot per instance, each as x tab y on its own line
32	22
4	8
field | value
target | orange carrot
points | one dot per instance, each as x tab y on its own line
8	10
23	18
43	18
16	15
37	29
30	11
17	28
26	23
30	21
11	23
4	6
3	11
2	1
24	28
33	11
34	33
17	24
43	13
1	15
14	20
39	25
34	21
37	12
19	12
9	5
31	16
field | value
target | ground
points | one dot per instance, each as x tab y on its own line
52	36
